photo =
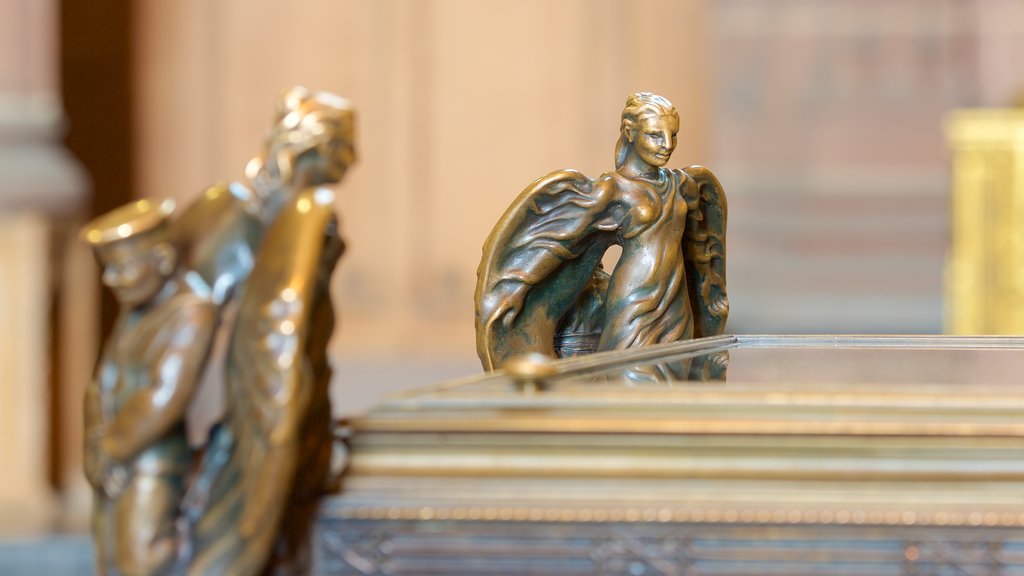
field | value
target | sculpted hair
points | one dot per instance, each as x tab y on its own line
307	120
639	105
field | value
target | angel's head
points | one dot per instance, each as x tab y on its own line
312	141
649	126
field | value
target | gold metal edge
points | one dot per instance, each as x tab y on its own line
838	516
761	428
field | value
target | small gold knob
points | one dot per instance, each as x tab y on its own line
531	371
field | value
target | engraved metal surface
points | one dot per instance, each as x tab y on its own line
387	547
811	455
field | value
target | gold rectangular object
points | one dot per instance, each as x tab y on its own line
985	272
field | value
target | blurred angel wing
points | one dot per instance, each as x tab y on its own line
704	245
536	262
251	465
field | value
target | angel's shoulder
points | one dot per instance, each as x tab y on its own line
611	179
557	180
610	184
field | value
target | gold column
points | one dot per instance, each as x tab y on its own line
985	272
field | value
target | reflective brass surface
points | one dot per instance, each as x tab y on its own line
540	287
256	258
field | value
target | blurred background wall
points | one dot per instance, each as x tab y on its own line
823	119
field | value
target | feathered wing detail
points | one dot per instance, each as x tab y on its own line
704	245
536	262
251	464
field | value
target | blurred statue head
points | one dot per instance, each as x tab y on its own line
649	126
132	244
312	141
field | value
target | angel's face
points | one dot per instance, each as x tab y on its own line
656	139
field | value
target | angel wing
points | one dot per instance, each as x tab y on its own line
252	461
704	245
536	262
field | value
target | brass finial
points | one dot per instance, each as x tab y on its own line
531	371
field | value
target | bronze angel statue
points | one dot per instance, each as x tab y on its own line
254	261
540	285
254	496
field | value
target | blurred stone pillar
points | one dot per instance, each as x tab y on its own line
41	188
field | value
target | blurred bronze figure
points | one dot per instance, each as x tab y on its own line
137	457
260	255
268	463
540	287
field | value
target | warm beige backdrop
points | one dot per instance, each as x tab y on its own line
462	103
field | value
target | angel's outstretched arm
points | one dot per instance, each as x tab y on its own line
536	261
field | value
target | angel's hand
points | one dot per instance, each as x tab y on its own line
509	305
715	297
104	473
514	303
116	479
102	470
719	307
